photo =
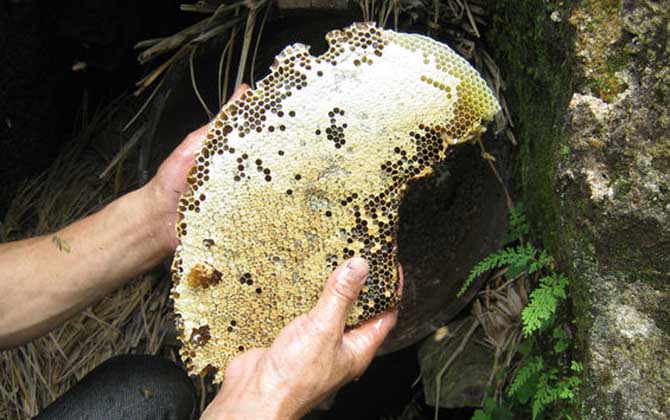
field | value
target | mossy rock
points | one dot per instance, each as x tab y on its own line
588	88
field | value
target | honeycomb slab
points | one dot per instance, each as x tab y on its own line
306	171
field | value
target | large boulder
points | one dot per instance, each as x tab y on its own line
589	86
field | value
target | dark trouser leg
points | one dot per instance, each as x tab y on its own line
128	387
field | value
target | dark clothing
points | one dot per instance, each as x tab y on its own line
128	387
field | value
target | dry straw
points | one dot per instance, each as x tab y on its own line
132	319
94	170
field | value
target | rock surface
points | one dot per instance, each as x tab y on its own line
476	358
615	184
596	180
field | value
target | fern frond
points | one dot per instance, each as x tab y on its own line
549	391
530	369
543	302
543	260
518	224
521	256
576	366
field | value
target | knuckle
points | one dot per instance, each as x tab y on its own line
345	288
242	363
363	345
193	136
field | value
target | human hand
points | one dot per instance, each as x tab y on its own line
311	358
165	188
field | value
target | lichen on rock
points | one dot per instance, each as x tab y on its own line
596	179
306	171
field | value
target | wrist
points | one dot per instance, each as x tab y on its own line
159	218
252	400
244	407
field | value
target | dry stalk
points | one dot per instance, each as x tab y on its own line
438	379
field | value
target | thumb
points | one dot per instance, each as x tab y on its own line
342	289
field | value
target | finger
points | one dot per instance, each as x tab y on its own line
361	344
196	137
238	92
193	142
341	291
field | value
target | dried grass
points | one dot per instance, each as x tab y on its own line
135	318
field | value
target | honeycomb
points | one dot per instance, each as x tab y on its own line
306	171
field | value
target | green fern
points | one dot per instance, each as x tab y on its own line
524	375
561	338
518	224
542	261
524	257
546	385
546	374
546	394
550	389
543	302
492	411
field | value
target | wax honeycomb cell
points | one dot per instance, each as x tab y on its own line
306	171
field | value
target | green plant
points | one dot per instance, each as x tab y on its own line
542	384
522	258
545	374
525	257
518	224
543	302
492	411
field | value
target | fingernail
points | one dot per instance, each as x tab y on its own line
356	269
378	324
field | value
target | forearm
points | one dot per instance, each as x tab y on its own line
46	280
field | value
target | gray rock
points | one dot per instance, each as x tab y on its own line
596	181
464	382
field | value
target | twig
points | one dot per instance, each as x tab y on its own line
459	350
197	8
215	31
210	115
226	7
221	57
229	61
508	197
252	75
123	152
149	79
389	8
172	42
147	43
248	34
473	24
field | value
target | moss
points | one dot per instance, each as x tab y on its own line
529	48
532	51
599	46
